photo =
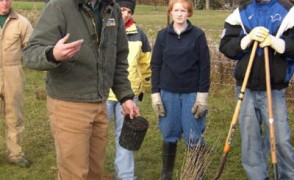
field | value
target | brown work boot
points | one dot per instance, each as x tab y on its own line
21	162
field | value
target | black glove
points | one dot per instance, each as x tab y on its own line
140	97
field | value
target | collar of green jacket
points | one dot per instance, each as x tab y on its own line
81	2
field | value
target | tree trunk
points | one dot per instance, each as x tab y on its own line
207	4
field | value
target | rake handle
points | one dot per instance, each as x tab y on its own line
232	129
221	166
240	99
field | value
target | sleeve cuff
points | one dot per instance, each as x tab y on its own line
50	57
130	97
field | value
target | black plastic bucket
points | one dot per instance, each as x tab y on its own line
133	132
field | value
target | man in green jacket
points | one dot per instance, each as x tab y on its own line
83	47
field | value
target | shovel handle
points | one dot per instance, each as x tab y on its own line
270	114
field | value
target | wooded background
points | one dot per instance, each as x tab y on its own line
198	4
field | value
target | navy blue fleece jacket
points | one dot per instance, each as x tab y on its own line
180	63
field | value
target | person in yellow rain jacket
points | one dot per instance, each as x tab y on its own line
139	75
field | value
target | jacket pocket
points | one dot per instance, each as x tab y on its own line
12	42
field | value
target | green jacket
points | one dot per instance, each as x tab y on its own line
101	64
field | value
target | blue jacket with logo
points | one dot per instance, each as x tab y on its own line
276	16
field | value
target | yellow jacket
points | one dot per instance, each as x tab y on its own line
139	61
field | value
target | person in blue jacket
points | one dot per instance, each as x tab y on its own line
180	79
270	23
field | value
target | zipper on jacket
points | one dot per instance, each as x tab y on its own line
89	12
103	39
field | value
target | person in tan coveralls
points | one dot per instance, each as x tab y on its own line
15	32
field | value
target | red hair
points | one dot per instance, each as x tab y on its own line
186	3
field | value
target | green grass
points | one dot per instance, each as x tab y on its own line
27	5
152	19
39	145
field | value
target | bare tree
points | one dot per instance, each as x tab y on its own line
207	5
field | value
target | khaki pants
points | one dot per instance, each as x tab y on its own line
80	133
11	89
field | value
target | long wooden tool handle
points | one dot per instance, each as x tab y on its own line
234	121
270	113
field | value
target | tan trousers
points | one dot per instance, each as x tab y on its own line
11	90
80	133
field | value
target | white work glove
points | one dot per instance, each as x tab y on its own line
200	105
277	44
257	34
157	104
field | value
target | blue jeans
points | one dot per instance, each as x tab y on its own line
124	159
179	119
255	143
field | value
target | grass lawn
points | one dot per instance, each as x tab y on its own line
39	145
